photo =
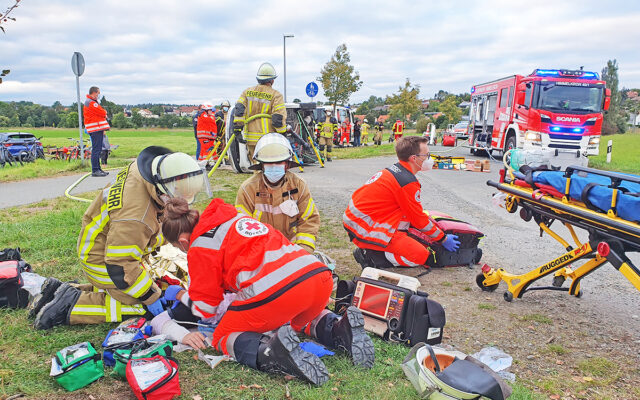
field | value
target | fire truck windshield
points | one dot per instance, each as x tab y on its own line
563	97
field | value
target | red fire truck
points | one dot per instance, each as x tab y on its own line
551	109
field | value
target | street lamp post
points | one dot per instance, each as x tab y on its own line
284	47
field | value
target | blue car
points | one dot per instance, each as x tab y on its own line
22	146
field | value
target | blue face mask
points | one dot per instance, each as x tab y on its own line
274	173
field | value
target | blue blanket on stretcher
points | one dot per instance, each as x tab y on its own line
599	194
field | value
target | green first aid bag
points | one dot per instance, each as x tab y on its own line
76	366
140	350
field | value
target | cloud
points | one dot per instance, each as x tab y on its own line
163	51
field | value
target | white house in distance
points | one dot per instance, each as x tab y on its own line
147	114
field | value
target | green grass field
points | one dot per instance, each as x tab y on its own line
47	233
625	154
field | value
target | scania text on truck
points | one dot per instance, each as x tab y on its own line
551	109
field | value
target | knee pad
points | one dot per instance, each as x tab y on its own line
321	147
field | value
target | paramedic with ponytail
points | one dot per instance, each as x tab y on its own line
381	211
247	278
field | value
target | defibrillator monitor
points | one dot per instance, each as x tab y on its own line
380	300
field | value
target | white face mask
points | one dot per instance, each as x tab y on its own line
289	208
427	164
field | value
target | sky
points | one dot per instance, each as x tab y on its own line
192	51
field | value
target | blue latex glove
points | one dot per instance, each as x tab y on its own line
314	348
157	307
171	292
451	242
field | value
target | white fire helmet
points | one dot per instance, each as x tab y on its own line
273	147
266	72
179	175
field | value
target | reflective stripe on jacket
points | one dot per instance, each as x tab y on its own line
398	127
388	201
261	99
119	228
95	117
261	201
327	129
234	253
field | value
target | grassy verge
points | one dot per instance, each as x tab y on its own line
47	233
624	155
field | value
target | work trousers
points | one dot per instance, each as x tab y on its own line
206	145
97	306
402	250
345	137
96	150
377	139
197	146
397	136
326	144
356	139
365	138
298	305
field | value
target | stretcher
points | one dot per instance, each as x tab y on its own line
544	200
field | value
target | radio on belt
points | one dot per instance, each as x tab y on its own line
392	306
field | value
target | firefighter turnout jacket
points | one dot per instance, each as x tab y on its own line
398	127
206	127
389	201
365	129
231	252
95	117
328	128
119	228
263	202
261	99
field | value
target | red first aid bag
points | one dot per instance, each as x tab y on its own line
449	140
154	378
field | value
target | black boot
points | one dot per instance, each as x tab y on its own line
282	354
362	259
57	311
347	334
47	290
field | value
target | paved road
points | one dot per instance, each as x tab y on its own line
34	190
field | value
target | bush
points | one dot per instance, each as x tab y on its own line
421	125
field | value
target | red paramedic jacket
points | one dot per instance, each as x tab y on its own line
388	201
206	127
231	252
95	117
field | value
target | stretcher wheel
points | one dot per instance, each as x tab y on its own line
479	282
558	281
508	296
478	256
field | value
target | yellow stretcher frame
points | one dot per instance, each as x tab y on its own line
609	238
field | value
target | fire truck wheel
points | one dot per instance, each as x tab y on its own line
510	143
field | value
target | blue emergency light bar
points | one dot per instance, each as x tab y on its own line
566	129
566	73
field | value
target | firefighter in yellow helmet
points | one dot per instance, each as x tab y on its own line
120	227
365	132
277	196
327	130
260	99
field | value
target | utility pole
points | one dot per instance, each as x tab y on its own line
284	48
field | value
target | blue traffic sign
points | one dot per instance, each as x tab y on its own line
312	89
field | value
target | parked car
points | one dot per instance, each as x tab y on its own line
461	130
22	145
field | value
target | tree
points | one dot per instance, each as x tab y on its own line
614	118
4	121
111	107
120	121
449	107
136	119
406	101
157	110
14	121
297	101
50	117
338	78
71	121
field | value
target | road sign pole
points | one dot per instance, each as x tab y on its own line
609	148
80	121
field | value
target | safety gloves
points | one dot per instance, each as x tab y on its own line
237	129
172	292
451	242
157	306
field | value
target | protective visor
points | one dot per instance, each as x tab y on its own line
187	185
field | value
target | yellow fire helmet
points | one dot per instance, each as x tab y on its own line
266	72
179	175
273	148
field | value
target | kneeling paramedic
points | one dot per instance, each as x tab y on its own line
119	228
381	211
251	279
277	196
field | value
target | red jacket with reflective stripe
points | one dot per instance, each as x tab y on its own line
388	201
234	253
398	127
206	126
95	117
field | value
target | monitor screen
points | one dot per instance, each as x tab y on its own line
375	300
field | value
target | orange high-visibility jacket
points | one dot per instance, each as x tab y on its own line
231	252
398	127
95	117
206	127
388	201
